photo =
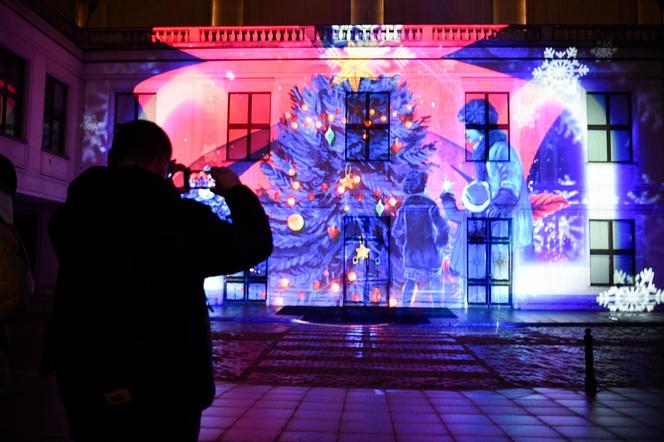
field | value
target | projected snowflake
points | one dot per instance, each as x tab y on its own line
561	70
603	50
640	294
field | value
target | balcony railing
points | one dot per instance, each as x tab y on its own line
414	35
362	35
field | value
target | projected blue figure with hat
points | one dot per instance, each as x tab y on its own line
498	189
421	232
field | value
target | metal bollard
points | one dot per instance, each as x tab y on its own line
590	381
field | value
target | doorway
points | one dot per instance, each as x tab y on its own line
489	261
366	261
248	286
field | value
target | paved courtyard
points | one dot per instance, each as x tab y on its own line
402	356
473	380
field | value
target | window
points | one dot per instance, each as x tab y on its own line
368	126
12	70
247	286
248	126
130	106
55	113
611	251
609	127
486	113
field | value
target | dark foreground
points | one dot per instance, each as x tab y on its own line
289	381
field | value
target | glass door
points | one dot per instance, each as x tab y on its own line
247	286
489	261
366	261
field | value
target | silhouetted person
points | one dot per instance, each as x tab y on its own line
498	169
422	233
16	283
131	337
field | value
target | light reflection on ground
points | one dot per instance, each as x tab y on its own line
401	356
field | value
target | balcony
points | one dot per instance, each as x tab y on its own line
634	36
371	35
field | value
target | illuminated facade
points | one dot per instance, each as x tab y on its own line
440	165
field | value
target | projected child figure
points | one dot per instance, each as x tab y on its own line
499	189
421	232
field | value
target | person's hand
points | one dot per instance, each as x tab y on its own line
447	197
224	179
493	211
173	169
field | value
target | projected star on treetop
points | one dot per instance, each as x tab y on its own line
357	63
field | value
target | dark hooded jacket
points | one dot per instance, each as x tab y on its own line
129	310
422	233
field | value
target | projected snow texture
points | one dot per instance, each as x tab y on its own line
425	175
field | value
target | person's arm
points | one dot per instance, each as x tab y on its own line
223	248
399	229
452	212
440	224
511	178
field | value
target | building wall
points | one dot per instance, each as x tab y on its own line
188	91
192	102
123	13
42	177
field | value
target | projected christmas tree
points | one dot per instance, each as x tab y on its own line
343	151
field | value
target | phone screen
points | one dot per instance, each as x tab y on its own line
200	179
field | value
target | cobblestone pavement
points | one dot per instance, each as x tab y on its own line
399	356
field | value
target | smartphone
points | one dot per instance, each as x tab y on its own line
200	179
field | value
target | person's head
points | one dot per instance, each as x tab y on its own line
8	181
414	182
141	143
477	112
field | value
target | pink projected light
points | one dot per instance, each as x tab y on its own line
194	112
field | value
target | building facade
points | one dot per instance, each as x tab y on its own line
424	165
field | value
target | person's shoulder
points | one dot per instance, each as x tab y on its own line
499	149
420	200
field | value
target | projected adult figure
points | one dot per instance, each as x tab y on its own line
499	189
421	232
131	333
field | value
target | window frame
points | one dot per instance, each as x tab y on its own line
362	126
486	128
246	278
136	104
612	252
51	114
248	126
608	127
7	57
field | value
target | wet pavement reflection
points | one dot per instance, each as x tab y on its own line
402	356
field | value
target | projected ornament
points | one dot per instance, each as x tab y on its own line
333	232
348	181
376	295
330	136
640	293
295	222
380	208
361	252
561	71
397	146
